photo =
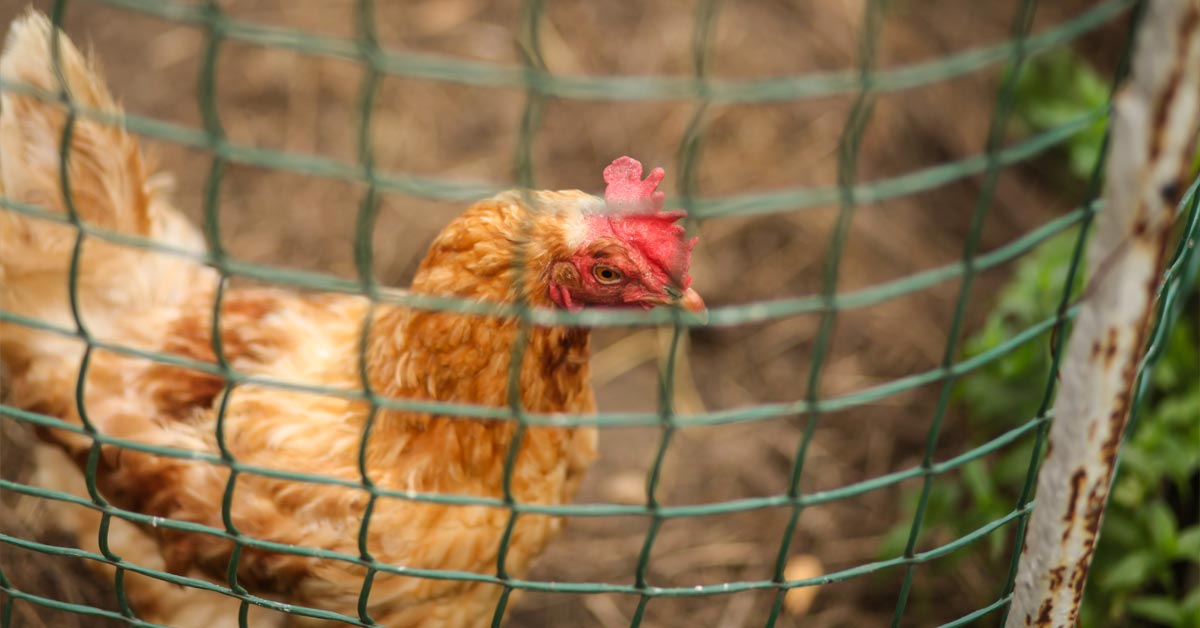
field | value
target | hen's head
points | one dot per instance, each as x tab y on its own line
626	251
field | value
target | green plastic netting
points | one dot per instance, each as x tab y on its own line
866	83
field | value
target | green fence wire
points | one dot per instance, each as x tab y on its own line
866	83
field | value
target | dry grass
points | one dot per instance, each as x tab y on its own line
286	101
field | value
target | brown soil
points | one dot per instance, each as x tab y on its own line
283	100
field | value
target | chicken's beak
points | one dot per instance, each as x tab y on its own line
689	300
692	302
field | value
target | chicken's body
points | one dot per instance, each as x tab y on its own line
164	304
274	335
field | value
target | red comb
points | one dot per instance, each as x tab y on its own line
627	190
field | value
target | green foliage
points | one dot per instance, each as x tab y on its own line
1147	562
1058	88
999	397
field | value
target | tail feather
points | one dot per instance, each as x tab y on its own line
119	290
51	274
106	173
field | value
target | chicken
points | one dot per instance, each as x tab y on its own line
578	251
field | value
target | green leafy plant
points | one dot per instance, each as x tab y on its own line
1060	88
1146	567
1057	89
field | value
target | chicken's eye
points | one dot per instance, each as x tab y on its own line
606	274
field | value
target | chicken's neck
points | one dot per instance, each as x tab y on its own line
465	358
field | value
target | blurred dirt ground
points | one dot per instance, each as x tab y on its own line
288	101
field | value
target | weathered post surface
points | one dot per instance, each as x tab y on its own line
1155	120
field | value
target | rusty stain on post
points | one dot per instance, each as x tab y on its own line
1154	128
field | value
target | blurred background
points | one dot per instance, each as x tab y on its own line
287	101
